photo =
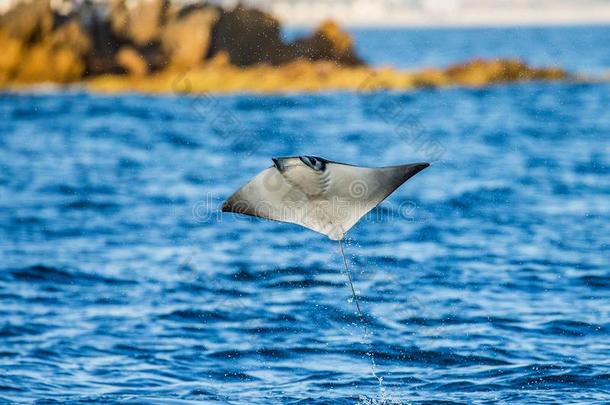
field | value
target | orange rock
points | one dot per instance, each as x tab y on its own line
236	50
186	40
146	20
12	54
219	60
479	72
133	63
328	42
28	22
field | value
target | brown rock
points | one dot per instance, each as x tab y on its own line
28	22
87	39
118	18
330	43
429	77
105	45
219	60
140	23
146	21
133	62
12	54
43	63
479	72
67	66
56	57
186	39
71	35
248	36
69	45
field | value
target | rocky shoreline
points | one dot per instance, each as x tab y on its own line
162	46
304	76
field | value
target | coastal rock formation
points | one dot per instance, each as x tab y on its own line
186	39
39	47
303	75
28	22
63	44
132	61
145	22
144	44
329	42
479	72
248	36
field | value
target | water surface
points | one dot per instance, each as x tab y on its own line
485	278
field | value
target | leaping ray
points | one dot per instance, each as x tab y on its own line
322	195
325	196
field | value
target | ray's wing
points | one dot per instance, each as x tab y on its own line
272	196
310	182
329	203
354	190
260	197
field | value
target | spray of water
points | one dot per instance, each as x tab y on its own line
368	335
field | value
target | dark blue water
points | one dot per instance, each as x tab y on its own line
486	278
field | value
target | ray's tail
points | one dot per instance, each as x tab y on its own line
367	334
349	278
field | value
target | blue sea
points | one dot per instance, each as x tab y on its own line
484	279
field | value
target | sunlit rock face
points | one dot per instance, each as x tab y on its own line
250	36
328	42
136	43
187	37
42	45
56	40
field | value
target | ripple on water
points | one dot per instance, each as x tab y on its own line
121	282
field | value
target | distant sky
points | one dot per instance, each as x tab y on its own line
431	12
441	12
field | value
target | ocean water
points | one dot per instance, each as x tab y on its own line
576	48
485	278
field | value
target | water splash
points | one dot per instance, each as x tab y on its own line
367	337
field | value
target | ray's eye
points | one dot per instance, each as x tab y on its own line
313	162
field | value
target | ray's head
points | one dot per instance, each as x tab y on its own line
314	163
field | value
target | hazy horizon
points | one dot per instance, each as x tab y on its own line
422	12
